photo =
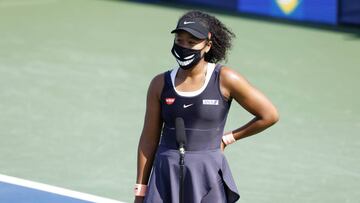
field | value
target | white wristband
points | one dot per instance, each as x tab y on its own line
140	190
228	138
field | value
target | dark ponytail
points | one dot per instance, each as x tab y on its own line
221	36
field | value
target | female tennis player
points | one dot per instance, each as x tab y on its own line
199	90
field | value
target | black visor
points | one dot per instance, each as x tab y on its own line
194	27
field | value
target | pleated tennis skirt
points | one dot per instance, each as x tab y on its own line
208	178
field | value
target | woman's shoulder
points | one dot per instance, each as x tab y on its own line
232	81
157	84
229	74
157	80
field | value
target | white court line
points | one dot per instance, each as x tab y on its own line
56	190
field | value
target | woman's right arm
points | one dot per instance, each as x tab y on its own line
150	135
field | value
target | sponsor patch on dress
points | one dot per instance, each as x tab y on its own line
210	102
169	101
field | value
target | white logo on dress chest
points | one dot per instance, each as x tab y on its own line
187	105
210	102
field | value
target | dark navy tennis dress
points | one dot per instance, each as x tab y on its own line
208	177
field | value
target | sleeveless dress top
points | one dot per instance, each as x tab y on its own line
208	177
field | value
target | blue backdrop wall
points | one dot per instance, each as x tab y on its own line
349	11
323	11
226	4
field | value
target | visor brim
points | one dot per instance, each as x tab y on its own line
193	32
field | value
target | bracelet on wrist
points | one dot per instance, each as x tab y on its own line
228	139
140	190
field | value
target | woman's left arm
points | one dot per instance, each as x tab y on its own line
233	85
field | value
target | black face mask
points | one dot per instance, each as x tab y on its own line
186	58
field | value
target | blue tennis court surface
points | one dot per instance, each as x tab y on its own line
15	190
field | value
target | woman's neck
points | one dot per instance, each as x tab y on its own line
198	69
193	79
